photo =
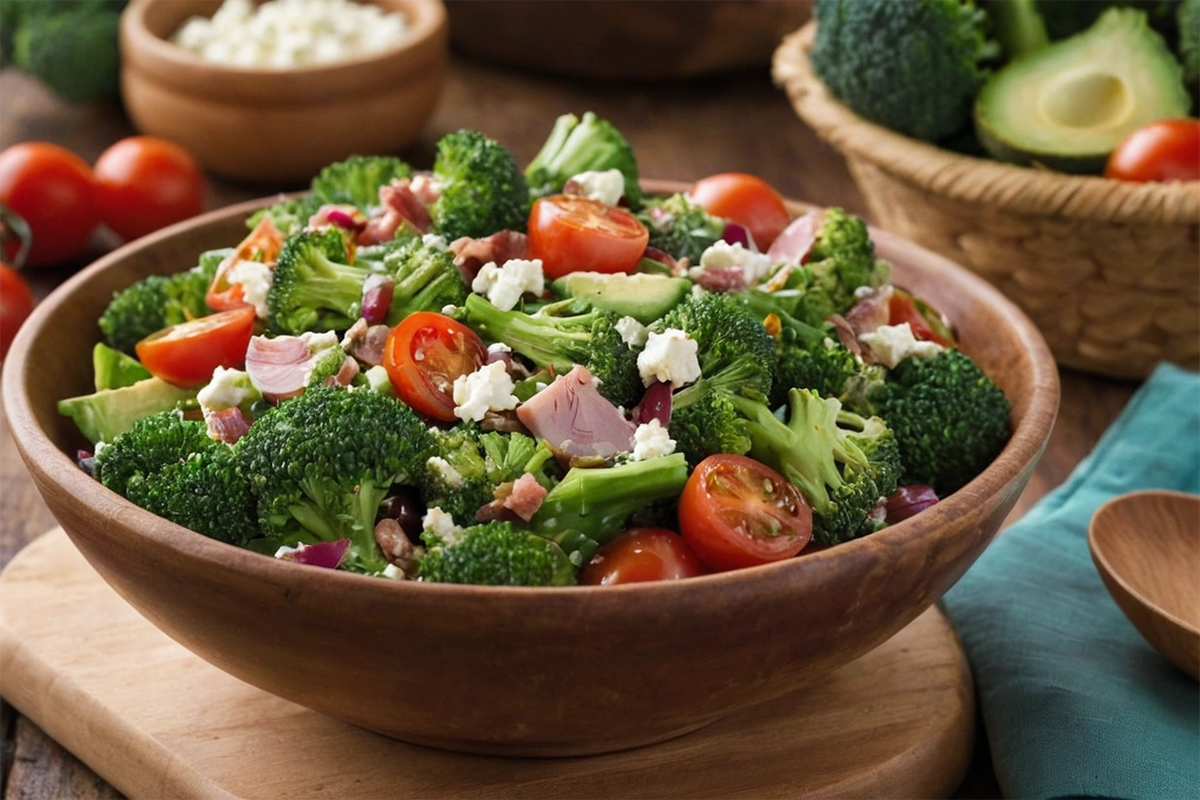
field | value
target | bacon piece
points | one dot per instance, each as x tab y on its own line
342	216
722	279
575	419
400	206
345	373
526	496
471	254
845	334
797	240
369	348
871	311
227	425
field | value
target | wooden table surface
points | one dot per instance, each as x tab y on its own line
682	131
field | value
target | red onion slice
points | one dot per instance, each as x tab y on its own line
796	242
656	404
377	298
322	554
737	233
909	501
343	219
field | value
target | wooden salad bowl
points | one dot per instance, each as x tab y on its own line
518	671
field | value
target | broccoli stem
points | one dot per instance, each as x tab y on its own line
537	338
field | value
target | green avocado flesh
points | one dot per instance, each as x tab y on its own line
1067	105
642	296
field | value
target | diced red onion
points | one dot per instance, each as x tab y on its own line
737	233
377	298
656	404
343	219
405	509
908	501
86	461
322	554
502	356
661	256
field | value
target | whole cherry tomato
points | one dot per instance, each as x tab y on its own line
642	554
1166	150
16	303
574	234
144	183
53	190
745	199
424	355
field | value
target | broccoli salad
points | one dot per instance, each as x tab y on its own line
485	373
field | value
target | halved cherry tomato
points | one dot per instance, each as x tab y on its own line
16	303
186	354
54	191
744	199
144	183
642	554
574	234
925	321
736	512
1166	150
423	356
261	244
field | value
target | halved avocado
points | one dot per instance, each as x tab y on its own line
1068	104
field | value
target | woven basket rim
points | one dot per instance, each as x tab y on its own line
968	179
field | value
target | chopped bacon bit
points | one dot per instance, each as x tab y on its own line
369	348
471	254
723	279
525	496
227	425
400	206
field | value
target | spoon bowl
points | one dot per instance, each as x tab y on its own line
1146	546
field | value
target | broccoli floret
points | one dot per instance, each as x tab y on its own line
511	455
562	334
582	145
704	418
680	227
69	45
590	506
424	278
482	188
288	215
725	333
495	554
357	180
314	287
842	463
323	462
914	66
950	419
149	445
158	301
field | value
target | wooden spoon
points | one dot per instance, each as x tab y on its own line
1146	546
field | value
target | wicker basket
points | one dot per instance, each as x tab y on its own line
1109	271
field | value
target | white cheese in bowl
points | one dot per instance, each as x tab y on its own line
284	34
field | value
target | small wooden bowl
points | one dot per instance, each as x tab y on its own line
279	126
1146	546
518	671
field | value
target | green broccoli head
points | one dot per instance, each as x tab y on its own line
158	301
726	334
289	215
495	554
810	357
70	46
680	227
314	287
562	334
705	421
950	419
151	443
455	478
424	278
482	190
579	145
323	462
914	66
357	180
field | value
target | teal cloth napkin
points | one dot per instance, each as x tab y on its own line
1075	702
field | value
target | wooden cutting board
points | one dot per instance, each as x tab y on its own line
157	721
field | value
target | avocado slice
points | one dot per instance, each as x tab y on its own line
105	414
115	369
641	295
1067	105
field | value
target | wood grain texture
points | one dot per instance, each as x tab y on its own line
1146	546
159	722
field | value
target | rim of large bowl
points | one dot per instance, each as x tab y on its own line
1028	439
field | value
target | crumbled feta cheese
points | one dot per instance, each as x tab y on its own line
394	572
498	347
633	333
285	551
435	241
863	292
724	255
255	278
651	440
891	344
503	286
489	388
449	309
452	477
607	186
226	389
283	34
670	357
441	525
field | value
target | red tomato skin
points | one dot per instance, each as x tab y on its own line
427	341
642	554
144	183
1165	150
745	199
186	354
573	234
724	498
902	308
16	303
54	190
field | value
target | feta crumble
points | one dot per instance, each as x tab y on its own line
891	344
452	477
489	388
226	389
607	186
633	333
651	440
670	357
724	255
435	241
255	278
441	524
503	286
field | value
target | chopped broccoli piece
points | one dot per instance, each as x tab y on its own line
914	66
315	288
725	333
842	463
323	462
579	145
289	215
680	227
950	419
482	188
424	278
149	445
357	180
495	554
157	302
562	334
69	45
